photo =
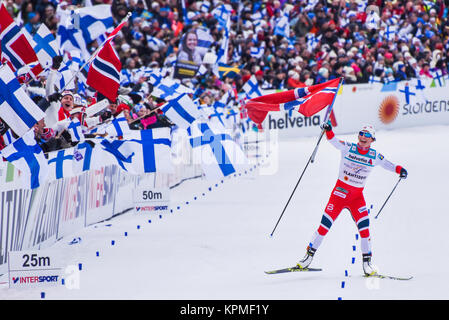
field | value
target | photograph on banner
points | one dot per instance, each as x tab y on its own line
192	49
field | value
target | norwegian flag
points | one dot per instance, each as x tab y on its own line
15	48
307	101
104	73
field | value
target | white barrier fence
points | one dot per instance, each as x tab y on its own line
36	219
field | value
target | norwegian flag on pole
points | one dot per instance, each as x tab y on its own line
307	101
104	72
15	47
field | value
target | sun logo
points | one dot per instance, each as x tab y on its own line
389	109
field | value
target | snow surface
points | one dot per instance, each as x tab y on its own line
218	246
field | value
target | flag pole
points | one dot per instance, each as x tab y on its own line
311	159
92	57
326	119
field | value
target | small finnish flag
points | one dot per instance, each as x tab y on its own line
61	164
181	110
27	156
118	127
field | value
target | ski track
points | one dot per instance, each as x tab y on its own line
218	246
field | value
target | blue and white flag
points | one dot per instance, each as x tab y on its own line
76	130
8	138
257	51
93	21
217	116
232	118
16	107
141	151
222	54
155	43
181	110
252	88
312	41
87	156
45	46
118	127
65	78
152	150
215	149
70	38
375	79
282	26
205	6
120	152
222	13
156	75
438	77
389	33
169	89
205	40
27	156
60	164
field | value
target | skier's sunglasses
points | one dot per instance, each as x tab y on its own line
366	134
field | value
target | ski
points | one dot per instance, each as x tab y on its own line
291	269
382	276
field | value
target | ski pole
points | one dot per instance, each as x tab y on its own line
299	180
388	197
312	158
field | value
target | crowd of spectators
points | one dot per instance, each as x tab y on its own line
327	39
390	40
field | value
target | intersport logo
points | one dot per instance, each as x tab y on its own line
34	279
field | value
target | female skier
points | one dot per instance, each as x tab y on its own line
357	161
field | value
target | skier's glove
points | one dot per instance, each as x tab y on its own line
326	126
403	173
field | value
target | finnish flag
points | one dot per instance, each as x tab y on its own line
87	156
252	88
118	152
65	78
155	43
27	156
16	107
215	149
205	40
118	127
76	130
232	117
70	38
282	26
169	89
60	164
257	52
45	46
141	151
181	110
152	150
93	21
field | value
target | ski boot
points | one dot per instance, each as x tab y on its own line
368	268
307	260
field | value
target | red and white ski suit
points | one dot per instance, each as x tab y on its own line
355	166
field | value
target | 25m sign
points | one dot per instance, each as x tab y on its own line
29	269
